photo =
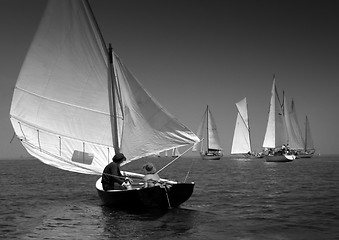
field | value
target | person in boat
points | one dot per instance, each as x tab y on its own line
151	177
112	178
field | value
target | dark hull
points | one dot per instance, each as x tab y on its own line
210	157
156	197
304	155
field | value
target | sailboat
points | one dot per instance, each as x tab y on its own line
241	144
175	152
308	149
276	136
75	105
303	147
210	148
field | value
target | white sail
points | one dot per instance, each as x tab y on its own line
207	131
275	135
241	138
298	142
199	146
213	137
62	102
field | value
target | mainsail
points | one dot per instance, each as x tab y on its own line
241	138
62	107
275	135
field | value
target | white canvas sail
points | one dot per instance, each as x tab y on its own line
298	142
275	135
199	146
62	102
213	137
241	139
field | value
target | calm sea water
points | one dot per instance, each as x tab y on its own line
233	199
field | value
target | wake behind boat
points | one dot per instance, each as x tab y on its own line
75	105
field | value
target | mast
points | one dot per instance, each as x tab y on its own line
305	146
112	87
248	122
207	128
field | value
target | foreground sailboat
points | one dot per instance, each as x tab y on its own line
209	147
276	136
241	144
75	105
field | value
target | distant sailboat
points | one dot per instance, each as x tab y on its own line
75	105
241	144
304	147
298	141
175	152
309	149
210	148
276	136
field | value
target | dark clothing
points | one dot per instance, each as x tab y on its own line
111	177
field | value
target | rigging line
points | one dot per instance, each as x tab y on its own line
168	201
174	159
12	138
189	170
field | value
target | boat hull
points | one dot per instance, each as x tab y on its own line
210	157
304	155
246	156
160	197
279	158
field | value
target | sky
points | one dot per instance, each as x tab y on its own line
190	54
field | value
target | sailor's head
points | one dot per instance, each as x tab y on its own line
119	158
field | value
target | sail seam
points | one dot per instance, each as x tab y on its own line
64	103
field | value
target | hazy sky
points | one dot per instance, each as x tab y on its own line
188	54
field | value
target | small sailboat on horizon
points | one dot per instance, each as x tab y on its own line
175	152
303	146
309	149
209	147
